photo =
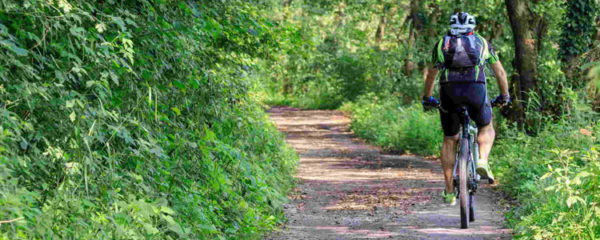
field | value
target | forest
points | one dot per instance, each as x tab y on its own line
147	119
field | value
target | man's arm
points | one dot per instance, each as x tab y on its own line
430	81
500	77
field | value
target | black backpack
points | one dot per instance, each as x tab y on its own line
462	53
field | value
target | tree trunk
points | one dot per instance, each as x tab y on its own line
409	66
382	24
529	30
340	17
577	38
286	3
380	29
416	26
597	38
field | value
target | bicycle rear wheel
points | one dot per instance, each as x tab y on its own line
471	207
473	176
463	176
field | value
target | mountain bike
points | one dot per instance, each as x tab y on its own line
464	174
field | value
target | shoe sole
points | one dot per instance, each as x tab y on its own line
451	203
484	175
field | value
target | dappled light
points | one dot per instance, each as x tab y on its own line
350	190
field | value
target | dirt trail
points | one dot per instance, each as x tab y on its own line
350	190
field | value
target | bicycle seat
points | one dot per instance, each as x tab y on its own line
462	110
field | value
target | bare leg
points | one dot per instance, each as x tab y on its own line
448	158
485	139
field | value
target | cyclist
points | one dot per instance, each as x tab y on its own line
460	56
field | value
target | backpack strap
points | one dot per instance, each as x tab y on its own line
440	52
485	53
440	55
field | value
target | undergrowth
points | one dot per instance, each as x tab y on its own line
133	120
393	126
554	178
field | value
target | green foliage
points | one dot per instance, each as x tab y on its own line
133	119
578	32
386	123
554	177
328	55
142	119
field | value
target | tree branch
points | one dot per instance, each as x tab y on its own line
12	220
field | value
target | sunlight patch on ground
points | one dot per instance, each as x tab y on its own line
337	169
482	230
382	197
368	234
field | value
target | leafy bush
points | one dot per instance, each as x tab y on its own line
566	208
386	123
324	61
554	177
133	119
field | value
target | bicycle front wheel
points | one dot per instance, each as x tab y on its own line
463	176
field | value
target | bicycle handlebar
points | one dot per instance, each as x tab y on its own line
494	103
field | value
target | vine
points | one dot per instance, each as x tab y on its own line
578	33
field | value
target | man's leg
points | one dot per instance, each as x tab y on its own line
451	127
480	110
448	158
485	139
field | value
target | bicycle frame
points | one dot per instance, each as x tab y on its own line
468	131
464	174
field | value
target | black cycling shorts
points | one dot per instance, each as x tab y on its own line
471	95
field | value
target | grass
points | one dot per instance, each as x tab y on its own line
387	123
554	178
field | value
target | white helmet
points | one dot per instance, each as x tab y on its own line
461	23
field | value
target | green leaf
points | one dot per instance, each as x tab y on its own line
72	116
176	229
579	176
120	23
547	175
24	145
588	65
149	228
176	110
14	48
88	203
76	31
89	84
167	210
574	199
100	27
210	228
70	104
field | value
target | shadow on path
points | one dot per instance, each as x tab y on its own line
349	190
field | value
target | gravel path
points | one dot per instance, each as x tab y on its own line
350	190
